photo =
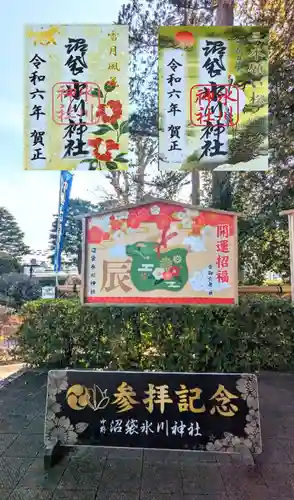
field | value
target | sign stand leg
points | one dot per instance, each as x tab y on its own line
53	454
246	455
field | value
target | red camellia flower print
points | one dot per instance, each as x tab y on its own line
133	222
96	235
110	112
185	38
102	149
167	275
116	225
174	270
163	221
197	227
136	217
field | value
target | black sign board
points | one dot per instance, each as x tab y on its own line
178	411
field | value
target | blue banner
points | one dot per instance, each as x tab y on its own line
64	196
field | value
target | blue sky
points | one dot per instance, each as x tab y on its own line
32	197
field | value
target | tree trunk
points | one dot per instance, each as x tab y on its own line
195	195
225	13
79	263
195	175
221	193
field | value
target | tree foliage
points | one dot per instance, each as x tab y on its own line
72	241
11	236
263	234
8	264
279	16
16	289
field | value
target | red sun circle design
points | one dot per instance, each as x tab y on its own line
185	38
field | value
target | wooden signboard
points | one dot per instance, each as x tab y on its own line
160	253
212	412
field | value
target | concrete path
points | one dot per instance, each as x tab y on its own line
99	474
7	370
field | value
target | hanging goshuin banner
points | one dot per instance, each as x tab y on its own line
64	196
76	97
213	98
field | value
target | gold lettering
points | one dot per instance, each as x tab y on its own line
112	50
257	53
186	400
255	68
113	36
157	395
116	275
224	406
114	66
124	398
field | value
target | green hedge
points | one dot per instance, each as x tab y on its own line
257	334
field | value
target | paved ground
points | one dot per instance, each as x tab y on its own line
7	370
133	475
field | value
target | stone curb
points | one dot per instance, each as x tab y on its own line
6	381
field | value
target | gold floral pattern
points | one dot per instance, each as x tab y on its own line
59	429
247	387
